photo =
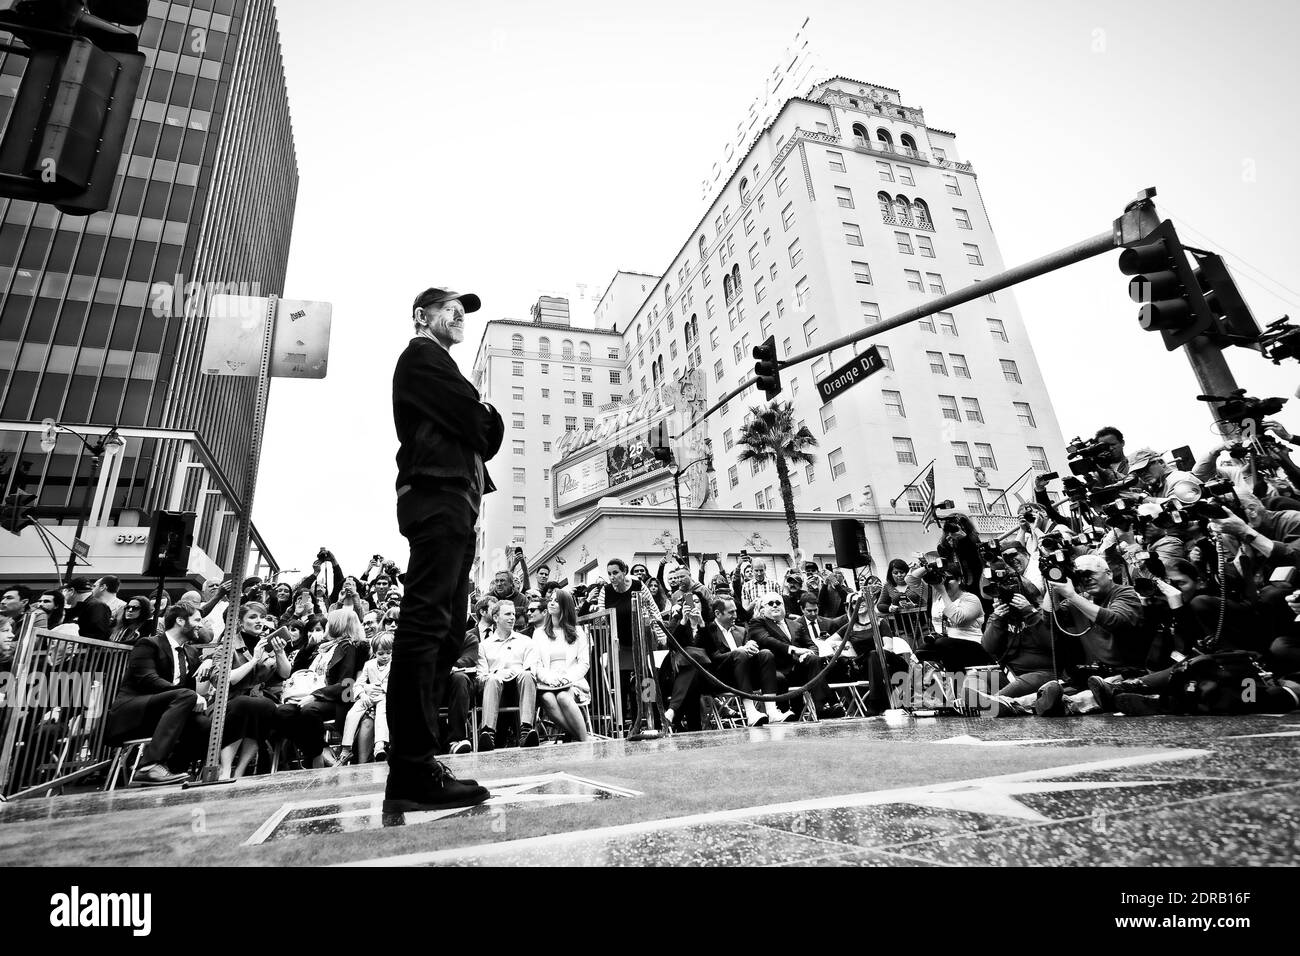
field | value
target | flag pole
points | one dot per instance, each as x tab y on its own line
911	483
1010	488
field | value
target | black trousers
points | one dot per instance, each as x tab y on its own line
168	717
878	698
686	684
742	671
791	674
458	698
956	654
440	530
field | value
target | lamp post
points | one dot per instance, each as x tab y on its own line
109	443
665	455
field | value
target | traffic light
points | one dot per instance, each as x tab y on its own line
17	511
1165	286
766	369
69	120
1232	315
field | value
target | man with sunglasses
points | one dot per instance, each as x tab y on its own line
795	663
536	612
446	435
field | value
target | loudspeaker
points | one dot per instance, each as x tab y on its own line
171	534
851	549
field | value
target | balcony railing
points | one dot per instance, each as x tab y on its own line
889	216
888	149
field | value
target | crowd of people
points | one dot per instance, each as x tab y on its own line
1148	588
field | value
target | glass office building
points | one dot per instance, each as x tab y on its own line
102	317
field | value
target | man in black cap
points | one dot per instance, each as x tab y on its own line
446	433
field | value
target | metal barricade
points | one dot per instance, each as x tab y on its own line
602	675
55	709
913	626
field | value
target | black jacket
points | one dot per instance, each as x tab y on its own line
441	423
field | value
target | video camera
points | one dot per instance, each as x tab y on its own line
1088	457
1280	340
935	568
1238	408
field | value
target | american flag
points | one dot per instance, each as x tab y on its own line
926	488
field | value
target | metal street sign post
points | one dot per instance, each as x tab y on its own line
267	337
848	375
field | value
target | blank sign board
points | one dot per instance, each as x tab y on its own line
237	323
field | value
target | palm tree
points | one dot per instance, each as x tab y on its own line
773	434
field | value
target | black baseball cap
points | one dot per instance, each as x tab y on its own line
429	297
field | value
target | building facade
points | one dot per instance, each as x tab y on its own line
102	317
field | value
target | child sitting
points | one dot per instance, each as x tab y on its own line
369	699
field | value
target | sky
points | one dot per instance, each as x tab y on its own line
519	148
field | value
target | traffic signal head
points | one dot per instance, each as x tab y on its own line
1165	286
766	368
1231	313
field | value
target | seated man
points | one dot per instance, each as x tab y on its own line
460	682
1107	617
507	658
158	698
740	662
813	630
685	620
795	663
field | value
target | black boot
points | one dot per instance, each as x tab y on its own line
433	789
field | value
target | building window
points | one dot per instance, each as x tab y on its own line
975	501
518	539
732	477
845	503
939	154
905	176
810	330
973	413
915	503
517	446
570	398
613	354
862	273
961	455
904	452
835	160
520	504
810	474
802	293
787	216
589	423
749	223
759	290
936	283
852	234
517	393
518	418
544	347
546	419
985	454
914	280
517	369
904	242
566	349
936	363
780	308
796	254
717	370
586	374
615	398
844	196
959	366
546	368
925	246
948	406
615	377
780	181
819	368
1025	414
885	171
998	503
894	404
950	183
836	460
927	324
1038	458
546	447
1010	372
550	532
870	312
886	356
753	256
973	254
519	474
948	323
765	325
998	330
516	345
569	372
827	413
963	218
587	399
785	346
570	423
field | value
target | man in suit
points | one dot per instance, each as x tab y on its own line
446	434
811	629
740	662
459	695
795	662
158	698
686	621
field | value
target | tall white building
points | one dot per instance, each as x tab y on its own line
847	209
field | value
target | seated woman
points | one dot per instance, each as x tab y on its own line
898	593
315	695
898	658
137	621
258	660
370	700
506	659
563	657
958	620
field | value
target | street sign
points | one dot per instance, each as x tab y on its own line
236	324
80	548
845	377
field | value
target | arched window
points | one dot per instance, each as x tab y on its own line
668	293
566	349
904	209
726	288
883	136
544	347
695	328
906	140
516	344
654	370
703	256
923	213
735	279
584	350
860	134
886	205
638	333
744	191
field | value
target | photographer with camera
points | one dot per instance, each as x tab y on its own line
1017	634
1157	479
956	615
1036	521
1112	459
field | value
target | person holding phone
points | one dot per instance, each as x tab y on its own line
316	695
686	620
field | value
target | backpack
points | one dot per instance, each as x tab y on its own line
1229	682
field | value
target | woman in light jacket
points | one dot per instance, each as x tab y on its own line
563	657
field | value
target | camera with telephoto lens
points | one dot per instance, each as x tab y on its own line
1088	457
1056	557
1149	562
1239	408
935	566
1003	582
